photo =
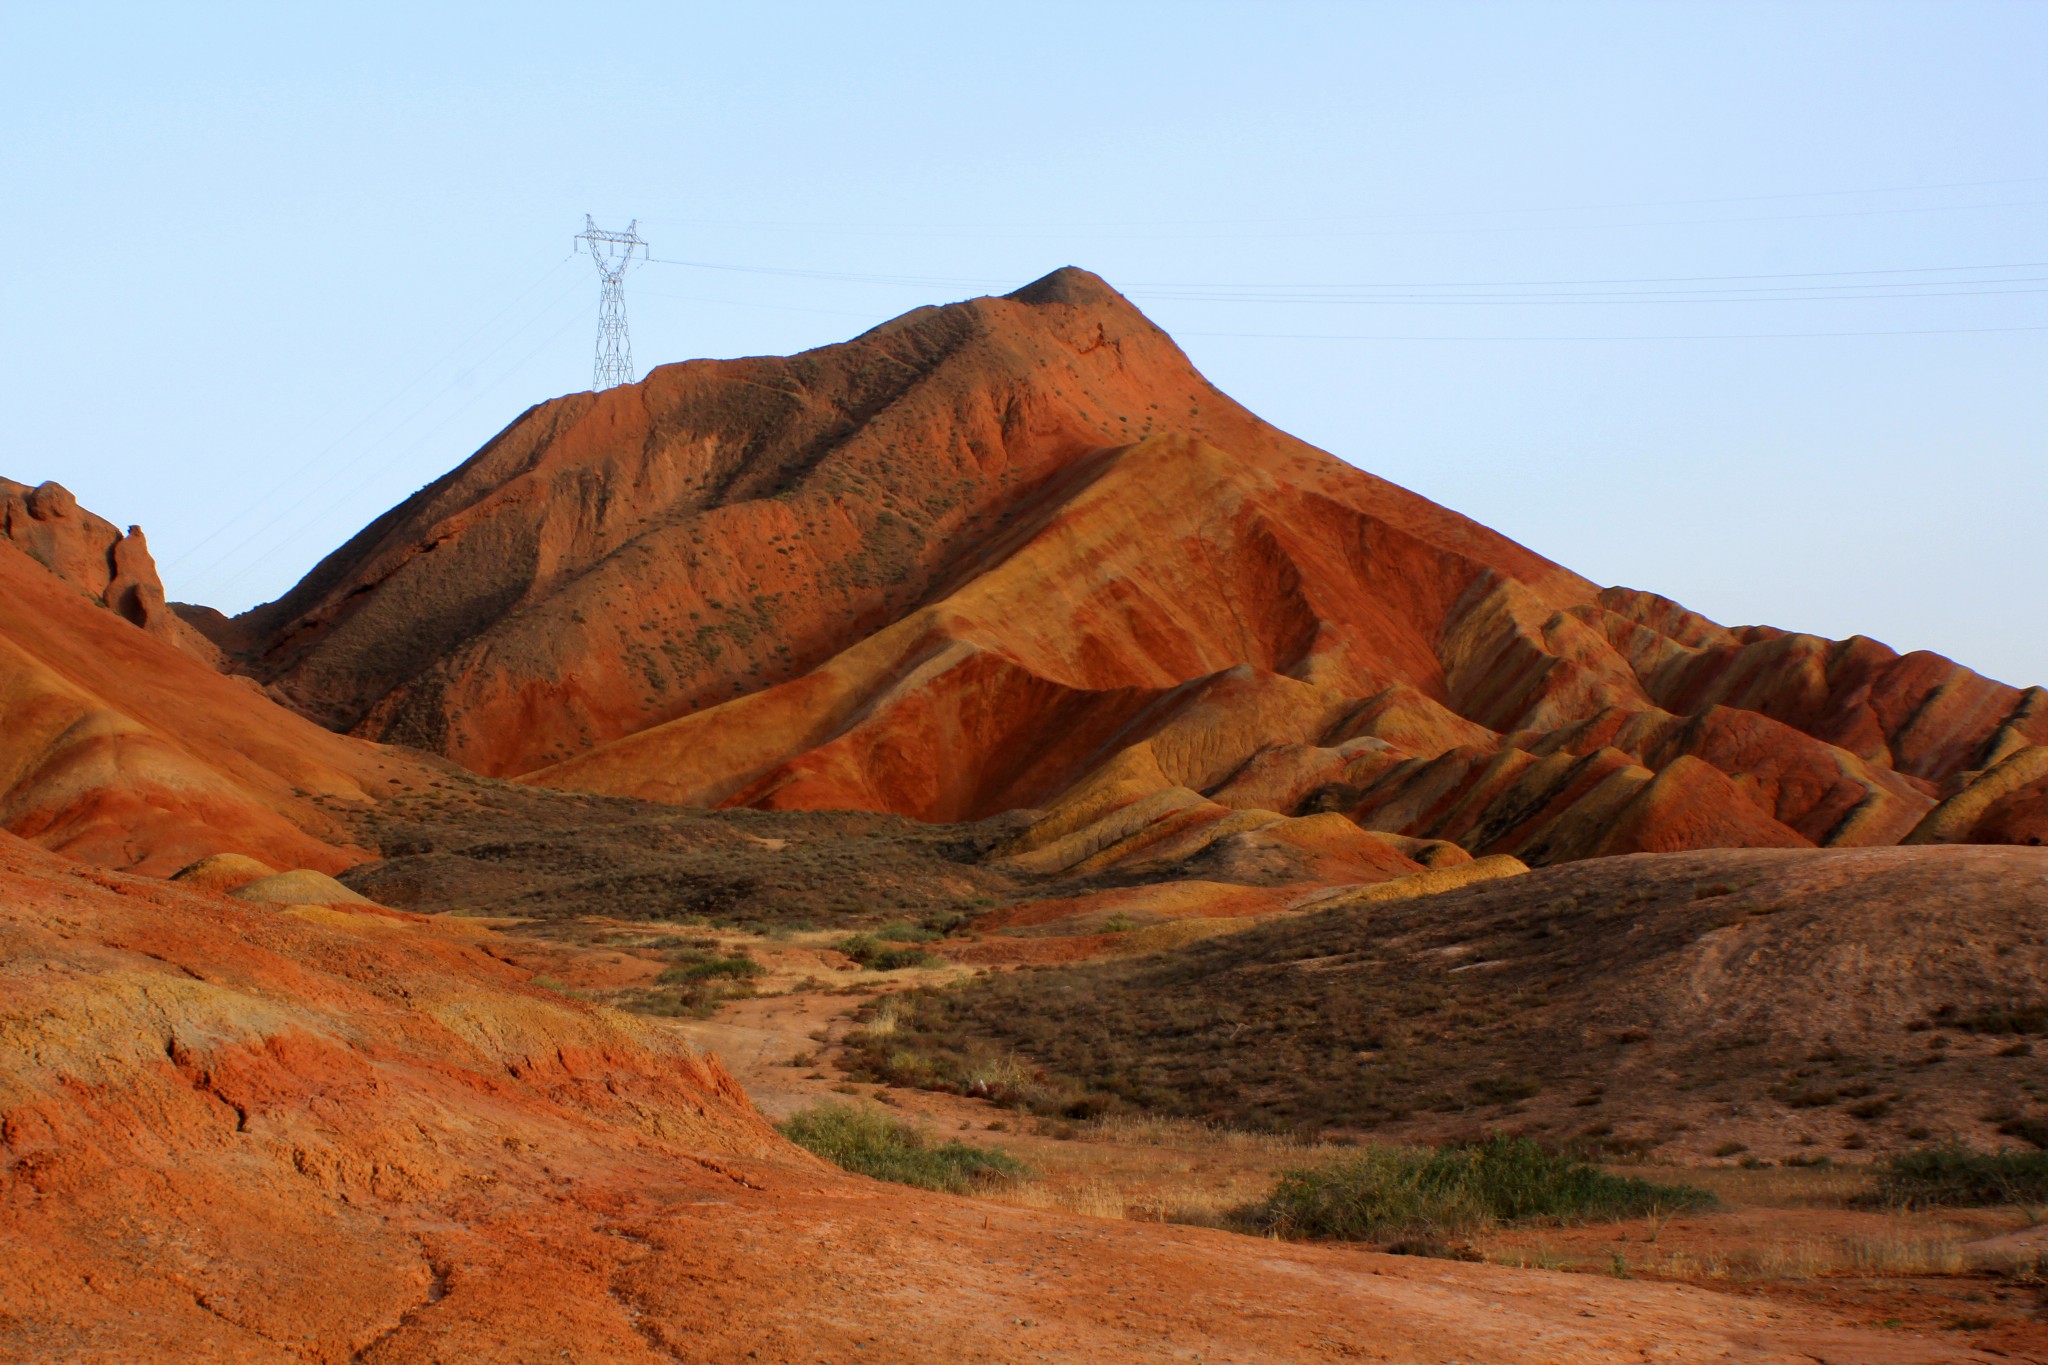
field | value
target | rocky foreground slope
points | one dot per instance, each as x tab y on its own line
231	1132
1016	553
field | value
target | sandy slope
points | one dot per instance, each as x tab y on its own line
119	748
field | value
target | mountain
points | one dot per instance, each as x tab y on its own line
1017	553
119	746
1007	554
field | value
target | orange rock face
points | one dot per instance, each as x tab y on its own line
1016	552
118	748
93	556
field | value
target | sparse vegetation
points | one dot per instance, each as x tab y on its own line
872	952
701	979
1385	1193
874	1144
1957	1177
1501	1005
550	858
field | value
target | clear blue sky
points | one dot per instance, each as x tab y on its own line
270	268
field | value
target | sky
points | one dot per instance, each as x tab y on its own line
1740	303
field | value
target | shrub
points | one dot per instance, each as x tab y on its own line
735	968
927	928
871	952
873	1144
1389	1192
2034	1130
696	983
2024	1016
1956	1177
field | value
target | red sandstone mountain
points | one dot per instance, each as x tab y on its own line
118	747
1016	552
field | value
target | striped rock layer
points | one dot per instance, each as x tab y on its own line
1017	553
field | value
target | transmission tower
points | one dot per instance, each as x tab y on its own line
613	252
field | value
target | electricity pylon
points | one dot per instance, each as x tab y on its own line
613	252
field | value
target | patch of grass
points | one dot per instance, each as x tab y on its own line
870	951
738	968
1390	1192
696	983
902	931
873	1144
553	858
1957	1177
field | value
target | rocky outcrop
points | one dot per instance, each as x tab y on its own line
119	749
93	555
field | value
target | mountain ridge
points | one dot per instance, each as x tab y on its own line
1015	552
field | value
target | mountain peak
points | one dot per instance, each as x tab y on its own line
1072	286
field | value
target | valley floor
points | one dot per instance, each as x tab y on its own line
1788	1244
246	1132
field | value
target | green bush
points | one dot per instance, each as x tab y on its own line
872	953
873	1144
1956	1177
696	982
736	968
1388	1192
902	931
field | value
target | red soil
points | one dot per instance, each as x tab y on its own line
238	1134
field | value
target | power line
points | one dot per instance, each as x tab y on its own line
1054	225
419	440
1303	231
365	420
1646	297
1292	292
346	466
843	276
1698	336
750	303
1627	279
